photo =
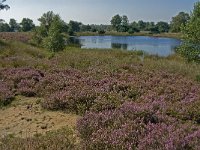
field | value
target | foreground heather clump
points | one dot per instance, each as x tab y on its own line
164	114
136	126
23	80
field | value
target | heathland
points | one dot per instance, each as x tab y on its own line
96	99
56	96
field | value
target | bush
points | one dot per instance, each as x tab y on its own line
190	48
54	42
133	30
198	78
101	32
190	51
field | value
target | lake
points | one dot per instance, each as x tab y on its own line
151	45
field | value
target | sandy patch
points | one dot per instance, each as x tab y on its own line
25	118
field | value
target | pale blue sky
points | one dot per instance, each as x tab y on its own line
98	11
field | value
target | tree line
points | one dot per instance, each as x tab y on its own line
121	24
24	26
118	24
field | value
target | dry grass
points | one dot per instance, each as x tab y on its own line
16	36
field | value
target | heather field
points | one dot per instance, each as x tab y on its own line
96	99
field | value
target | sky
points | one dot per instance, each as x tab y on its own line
97	11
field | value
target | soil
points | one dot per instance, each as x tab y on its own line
26	118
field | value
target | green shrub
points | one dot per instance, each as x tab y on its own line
50	36
190	48
101	32
198	78
190	51
54	42
133	30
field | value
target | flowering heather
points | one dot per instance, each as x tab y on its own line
70	90
152	121
81	91
121	110
23	80
136	126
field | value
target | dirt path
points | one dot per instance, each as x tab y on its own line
25	118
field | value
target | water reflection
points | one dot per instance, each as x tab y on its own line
119	46
151	45
74	41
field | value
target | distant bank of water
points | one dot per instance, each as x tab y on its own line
151	45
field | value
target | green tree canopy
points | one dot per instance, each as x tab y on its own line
47	19
190	48
85	28
191	30
141	25
74	26
4	27
133	27
2	6
162	26
27	25
116	22
55	40
178	21
14	26
149	26
50	32
124	24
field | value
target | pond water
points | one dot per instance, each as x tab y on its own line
151	45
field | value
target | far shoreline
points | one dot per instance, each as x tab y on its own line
164	35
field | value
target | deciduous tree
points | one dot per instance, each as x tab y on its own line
116	22
162	26
179	20
27	25
190	48
14	26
